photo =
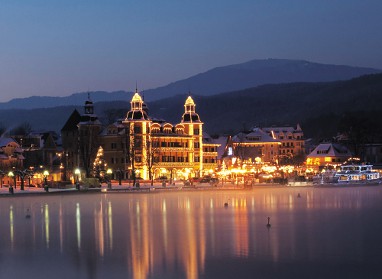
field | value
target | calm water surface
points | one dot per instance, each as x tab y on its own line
325	233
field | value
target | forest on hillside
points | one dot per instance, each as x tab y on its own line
322	109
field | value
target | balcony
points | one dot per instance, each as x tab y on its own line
210	154
173	149
174	165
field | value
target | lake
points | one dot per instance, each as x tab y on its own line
314	233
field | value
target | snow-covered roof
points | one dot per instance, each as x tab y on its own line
222	140
257	135
330	150
6	141
286	129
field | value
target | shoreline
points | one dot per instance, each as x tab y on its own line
4	192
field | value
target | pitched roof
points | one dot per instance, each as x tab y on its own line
330	150
72	122
5	141
257	135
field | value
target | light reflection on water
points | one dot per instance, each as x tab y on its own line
332	233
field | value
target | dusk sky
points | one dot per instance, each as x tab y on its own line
56	48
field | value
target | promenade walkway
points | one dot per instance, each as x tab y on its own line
127	187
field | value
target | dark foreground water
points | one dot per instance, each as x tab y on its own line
325	233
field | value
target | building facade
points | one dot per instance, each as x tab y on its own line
275	145
291	140
139	146
328	155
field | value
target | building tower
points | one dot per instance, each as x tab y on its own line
138	125
194	127
89	129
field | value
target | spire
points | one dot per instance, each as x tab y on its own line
298	128
89	107
189	111
138	110
189	105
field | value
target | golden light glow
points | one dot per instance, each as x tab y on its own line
110	219
11	227
78	225
46	219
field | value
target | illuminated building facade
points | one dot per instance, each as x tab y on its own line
251	146
291	141
328	154
275	145
11	154
150	148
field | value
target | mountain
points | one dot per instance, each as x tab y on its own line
255	73
218	80
319	107
76	99
322	109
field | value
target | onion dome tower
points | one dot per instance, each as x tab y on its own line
189	114
89	116
138	109
89	107
193	127
138	124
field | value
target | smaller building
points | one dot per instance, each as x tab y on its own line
328	154
249	147
40	148
292	143
11	154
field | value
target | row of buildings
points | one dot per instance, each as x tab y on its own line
141	146
149	148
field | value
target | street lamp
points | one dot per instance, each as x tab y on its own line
11	175
46	174
119	174
77	172
109	172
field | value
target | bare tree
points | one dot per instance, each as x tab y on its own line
131	150
3	129
22	174
152	156
23	129
88	146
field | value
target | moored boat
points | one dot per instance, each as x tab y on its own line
357	174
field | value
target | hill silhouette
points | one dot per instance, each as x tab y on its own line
218	80
319	107
257	72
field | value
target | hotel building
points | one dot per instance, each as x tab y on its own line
277	145
139	146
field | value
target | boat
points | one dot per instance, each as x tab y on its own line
356	173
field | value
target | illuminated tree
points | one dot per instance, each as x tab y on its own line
99	164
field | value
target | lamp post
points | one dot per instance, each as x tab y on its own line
11	175
46	174
119	174
322	176
77	172
109	172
